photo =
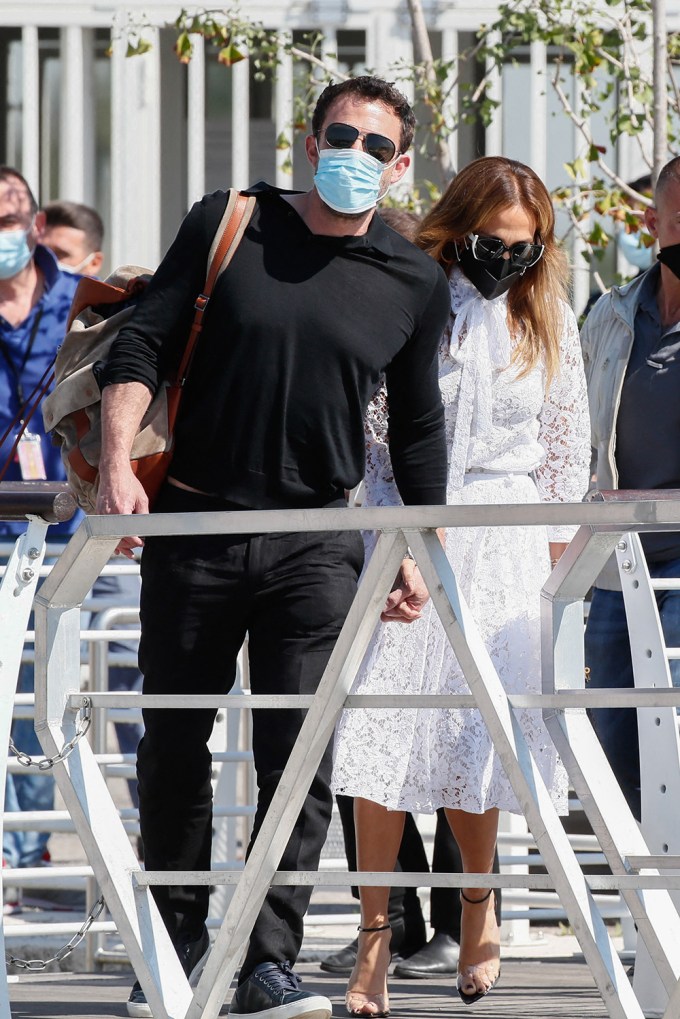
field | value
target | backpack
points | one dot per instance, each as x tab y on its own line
72	411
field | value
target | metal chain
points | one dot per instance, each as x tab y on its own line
49	762
36	965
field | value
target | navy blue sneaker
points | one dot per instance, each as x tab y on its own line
272	992
192	955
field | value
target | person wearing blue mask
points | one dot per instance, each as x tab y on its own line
35	298
631	342
635	250
75	234
319	299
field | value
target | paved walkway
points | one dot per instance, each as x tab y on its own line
528	989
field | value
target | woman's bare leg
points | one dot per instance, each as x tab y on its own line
378	834
479	960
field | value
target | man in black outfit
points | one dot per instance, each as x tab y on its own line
319	299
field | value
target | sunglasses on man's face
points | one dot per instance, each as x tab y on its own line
524	254
343	136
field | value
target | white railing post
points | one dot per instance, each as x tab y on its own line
450	50
30	87
196	122
658	738
76	92
240	125
514	931
493	134
135	155
283	119
17	589
538	109
580	273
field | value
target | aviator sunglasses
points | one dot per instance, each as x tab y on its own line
343	136
524	254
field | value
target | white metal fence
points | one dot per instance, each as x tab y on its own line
142	138
640	872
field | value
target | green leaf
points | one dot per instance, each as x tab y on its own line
136	48
229	55
183	48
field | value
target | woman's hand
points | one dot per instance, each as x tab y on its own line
556	552
408	596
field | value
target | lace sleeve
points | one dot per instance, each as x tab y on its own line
565	430
379	486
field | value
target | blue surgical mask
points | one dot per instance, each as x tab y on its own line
348	180
15	253
634	251
75	269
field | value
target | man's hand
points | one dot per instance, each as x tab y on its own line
120	492
408	596
123	407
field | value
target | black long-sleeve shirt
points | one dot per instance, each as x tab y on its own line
295	337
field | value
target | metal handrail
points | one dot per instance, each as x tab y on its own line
603	526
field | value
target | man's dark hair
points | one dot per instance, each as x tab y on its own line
366	87
8	173
403	221
78	217
670	172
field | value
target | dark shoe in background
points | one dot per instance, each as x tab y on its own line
438	957
341	962
406	939
192	954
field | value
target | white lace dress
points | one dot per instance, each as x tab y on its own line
510	442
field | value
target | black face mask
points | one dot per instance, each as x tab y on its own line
670	257
491	276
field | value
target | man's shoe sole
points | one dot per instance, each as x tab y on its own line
139	1011
314	1007
143	1011
195	974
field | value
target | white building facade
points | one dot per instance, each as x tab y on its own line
141	138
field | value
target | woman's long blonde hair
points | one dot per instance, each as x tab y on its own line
474	197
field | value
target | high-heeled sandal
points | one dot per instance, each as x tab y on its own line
466	998
378	998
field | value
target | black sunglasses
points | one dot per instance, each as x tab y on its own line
343	136
524	254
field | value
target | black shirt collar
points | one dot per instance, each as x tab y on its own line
376	241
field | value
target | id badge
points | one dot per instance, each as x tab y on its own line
31	463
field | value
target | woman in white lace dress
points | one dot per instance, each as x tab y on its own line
515	400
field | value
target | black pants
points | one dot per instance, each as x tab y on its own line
200	595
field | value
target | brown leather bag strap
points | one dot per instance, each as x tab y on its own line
227	238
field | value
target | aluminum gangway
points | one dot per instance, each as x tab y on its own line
640	874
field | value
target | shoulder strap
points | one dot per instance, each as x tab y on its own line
227	238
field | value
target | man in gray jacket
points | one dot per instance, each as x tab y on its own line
631	350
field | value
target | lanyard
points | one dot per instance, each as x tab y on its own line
16	373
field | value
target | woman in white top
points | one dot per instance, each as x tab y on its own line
513	388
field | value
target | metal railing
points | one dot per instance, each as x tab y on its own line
232	819
634	869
